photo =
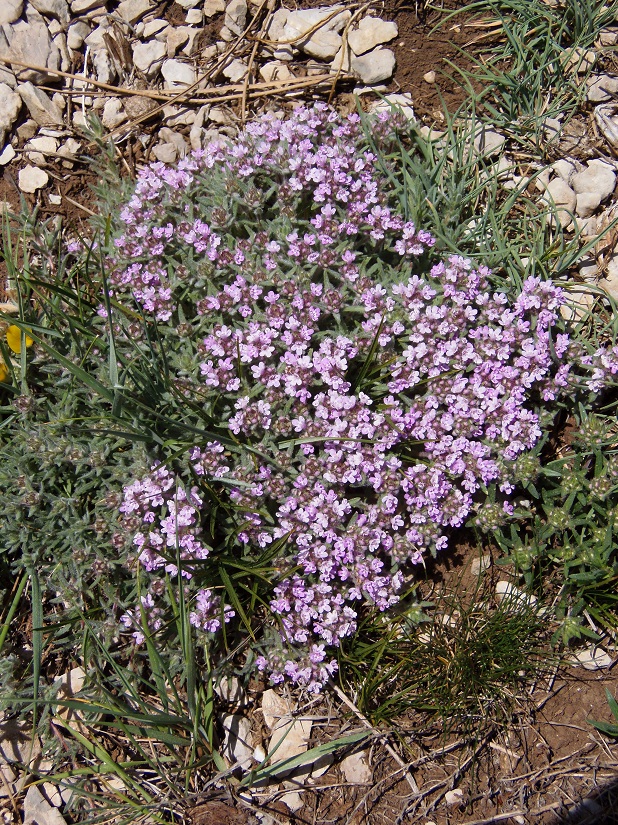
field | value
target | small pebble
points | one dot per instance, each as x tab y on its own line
429	77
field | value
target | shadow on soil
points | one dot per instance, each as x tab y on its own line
598	808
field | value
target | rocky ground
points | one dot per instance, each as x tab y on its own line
164	78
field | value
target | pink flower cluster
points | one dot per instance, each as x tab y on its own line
372	406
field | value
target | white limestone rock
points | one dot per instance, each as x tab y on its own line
489	142
514	598
325	41
58	9
371	32
31	178
592	658
235	71
565	169
103	66
76	35
10	104
560	196
82	6
355	768
29	42
236	16
290	736
176	73
375	66
212	7
148	56
177	36
237	747
113	113
165	152
132	10
7	155
602	88
38	811
42	109
275	70
10	11
37	148
153	27
599	178
401	101
587	204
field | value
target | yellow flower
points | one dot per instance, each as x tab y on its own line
13	339
4	373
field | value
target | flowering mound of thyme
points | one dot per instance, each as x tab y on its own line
365	402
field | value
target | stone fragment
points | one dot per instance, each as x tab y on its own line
31	178
31	43
374	67
599	178
236	16
608	37
602	88
237	747
342	61
289	736
82	6
169	136
38	811
58	9
176	37
592	658
10	11
132	10
565	169
16	742
454	797
10	104
42	109
229	689
541	181
212	7
178	116
429	77
402	101
560	196
37	148
165	152
321	765
514	598
606	118
103	66
7	155
96	39
235	70
371	32
581	60
147	56
76	35
196	134
194	17
153	27
113	113
480	564
355	768
275	70
577	306
137	105
325	41
489	142
177	73
292	800
587	204
69	148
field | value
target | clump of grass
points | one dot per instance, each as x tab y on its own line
465	663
